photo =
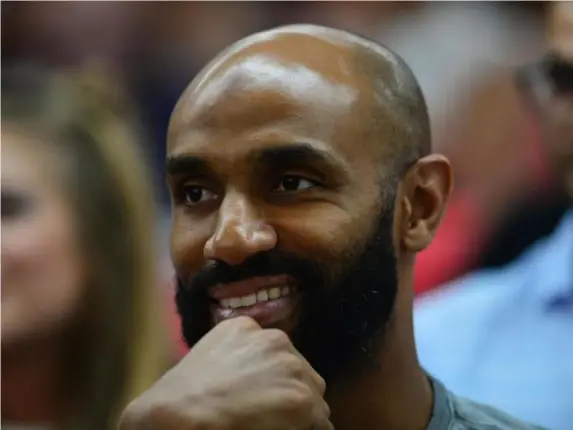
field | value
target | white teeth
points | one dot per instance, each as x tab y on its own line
236	302
261	296
249	300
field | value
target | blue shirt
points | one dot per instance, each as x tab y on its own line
504	337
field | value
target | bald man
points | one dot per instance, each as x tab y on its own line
303	185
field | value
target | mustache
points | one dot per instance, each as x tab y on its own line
268	263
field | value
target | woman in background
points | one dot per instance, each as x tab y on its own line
80	302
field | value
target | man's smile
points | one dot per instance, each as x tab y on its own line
267	299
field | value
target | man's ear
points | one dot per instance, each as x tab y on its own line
425	191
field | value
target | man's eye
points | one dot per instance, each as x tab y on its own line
293	183
194	195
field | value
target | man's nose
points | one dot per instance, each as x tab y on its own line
240	232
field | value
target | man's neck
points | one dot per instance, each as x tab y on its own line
398	395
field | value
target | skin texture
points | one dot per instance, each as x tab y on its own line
358	106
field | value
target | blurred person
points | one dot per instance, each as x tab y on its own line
492	218
476	119
71	34
503	336
80	332
303	185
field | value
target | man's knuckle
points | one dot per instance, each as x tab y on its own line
302	396
277	338
293	366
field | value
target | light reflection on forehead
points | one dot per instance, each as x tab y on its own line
262	72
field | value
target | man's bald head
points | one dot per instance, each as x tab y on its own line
398	103
391	110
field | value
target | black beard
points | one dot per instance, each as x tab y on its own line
344	310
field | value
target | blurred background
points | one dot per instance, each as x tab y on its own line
463	53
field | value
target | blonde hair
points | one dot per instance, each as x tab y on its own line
119	338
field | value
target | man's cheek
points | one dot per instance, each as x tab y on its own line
324	243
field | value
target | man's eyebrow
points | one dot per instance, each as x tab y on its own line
295	154
279	156
178	164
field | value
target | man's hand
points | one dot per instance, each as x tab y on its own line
238	377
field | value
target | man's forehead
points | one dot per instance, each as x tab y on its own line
313	48
262	87
270	80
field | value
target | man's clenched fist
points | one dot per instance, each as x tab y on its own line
238	377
